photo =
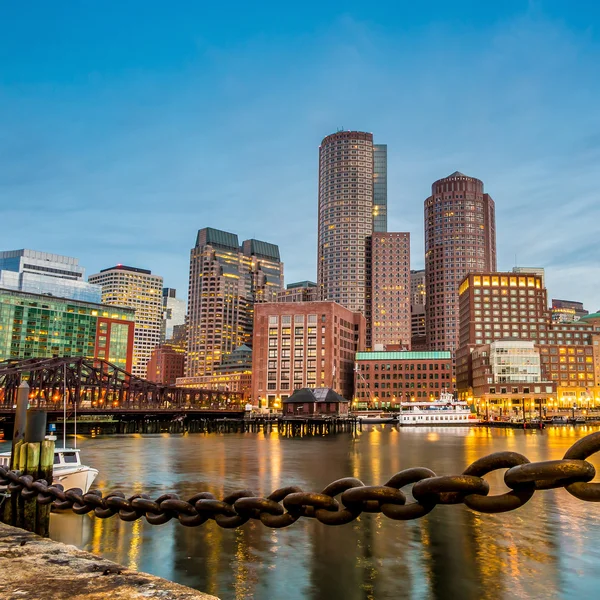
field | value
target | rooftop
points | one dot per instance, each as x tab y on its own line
404	355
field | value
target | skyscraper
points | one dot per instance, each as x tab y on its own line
226	280
142	291
173	312
460	237
351	169
47	274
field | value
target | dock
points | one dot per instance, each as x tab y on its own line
35	567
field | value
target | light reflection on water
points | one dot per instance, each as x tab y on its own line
547	549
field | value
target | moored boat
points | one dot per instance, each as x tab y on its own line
440	412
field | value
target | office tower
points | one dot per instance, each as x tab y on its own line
142	291
226	281
173	312
48	274
166	364
301	291
460	238
346	213
380	187
508	306
303	344
390	318
42	326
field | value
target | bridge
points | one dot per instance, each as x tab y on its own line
96	386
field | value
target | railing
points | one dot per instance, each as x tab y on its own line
286	505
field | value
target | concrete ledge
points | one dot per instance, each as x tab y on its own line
34	567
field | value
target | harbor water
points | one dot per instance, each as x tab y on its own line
547	549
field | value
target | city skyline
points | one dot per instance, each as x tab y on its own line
117	147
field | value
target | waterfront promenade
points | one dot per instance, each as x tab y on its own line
546	549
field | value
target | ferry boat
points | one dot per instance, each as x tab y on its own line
67	470
444	411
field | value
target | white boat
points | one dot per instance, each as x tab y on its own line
443	411
68	470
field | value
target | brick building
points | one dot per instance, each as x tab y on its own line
384	379
389	321
303	345
498	306
166	364
301	291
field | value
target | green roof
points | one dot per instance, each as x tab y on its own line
592	316
403	355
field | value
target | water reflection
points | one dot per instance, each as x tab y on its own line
547	549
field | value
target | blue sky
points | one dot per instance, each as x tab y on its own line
127	126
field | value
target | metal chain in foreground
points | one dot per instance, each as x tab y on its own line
286	505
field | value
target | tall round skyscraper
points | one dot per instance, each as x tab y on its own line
350	166
460	237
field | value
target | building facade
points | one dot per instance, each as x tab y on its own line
389	320
380	187
166	364
47	274
417	287
460	237
301	291
499	306
141	291
226	282
174	310
346	213
299	345
531	271
567	311
385	379
508	380
40	326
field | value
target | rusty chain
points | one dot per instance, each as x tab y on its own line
286	505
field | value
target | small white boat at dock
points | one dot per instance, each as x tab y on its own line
443	411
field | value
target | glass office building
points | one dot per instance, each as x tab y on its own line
48	274
380	187
39	326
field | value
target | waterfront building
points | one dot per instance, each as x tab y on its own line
140	290
384	379
379	187
226	282
174	310
389	283
303	345
315	401
47	274
41	326
166	364
301	291
460	237
507	380
567	311
417	327
498	306
234	374
346	213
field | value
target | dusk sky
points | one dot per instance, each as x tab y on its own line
127	126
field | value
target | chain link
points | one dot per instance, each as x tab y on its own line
342	501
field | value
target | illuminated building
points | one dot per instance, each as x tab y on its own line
301	291
303	345
41	326
389	284
531	271
350	169
174	309
140	290
417	310
508	381
384	379
226	282
501	306
166	364
44	273
567	311
460	238
234	374
417	287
